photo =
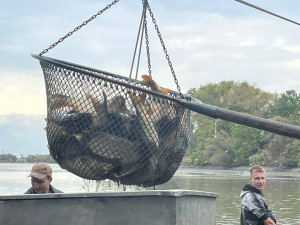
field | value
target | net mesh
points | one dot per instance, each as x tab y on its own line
98	127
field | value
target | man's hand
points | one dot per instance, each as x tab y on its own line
269	221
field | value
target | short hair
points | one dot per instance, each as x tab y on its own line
257	169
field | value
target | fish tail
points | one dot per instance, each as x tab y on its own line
154	86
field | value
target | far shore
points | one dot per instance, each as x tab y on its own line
242	171
272	172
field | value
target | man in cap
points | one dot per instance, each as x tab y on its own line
41	177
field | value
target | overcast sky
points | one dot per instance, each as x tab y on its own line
207	40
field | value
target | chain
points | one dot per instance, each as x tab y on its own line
164	49
147	40
78	27
141	30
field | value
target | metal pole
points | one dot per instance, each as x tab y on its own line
243	119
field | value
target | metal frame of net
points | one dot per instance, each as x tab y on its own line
106	126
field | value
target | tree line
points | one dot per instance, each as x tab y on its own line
220	143
30	158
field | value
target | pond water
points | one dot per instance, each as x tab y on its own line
282	191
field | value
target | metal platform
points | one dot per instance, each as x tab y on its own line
170	207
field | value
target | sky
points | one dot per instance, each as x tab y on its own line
207	41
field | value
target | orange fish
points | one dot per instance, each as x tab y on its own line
154	86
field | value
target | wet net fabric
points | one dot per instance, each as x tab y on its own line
99	128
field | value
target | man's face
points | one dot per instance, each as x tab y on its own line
258	180
41	186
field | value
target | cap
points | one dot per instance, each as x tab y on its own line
40	171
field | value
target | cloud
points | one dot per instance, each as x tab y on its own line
207	42
253	50
22	92
22	134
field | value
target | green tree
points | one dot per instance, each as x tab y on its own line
247	144
40	158
246	141
291	154
273	152
241	97
218	150
8	158
204	128
288	105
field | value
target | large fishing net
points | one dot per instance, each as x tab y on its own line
105	126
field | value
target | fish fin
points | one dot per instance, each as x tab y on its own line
88	95
46	120
105	104
45	129
164	91
133	98
48	146
78	136
150	111
100	108
92	99
138	102
96	105
142	98
104	98
58	101
61	101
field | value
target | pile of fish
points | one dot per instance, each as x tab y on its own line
129	138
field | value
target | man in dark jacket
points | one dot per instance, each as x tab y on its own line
41	177
254	210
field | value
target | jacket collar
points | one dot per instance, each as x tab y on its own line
250	188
